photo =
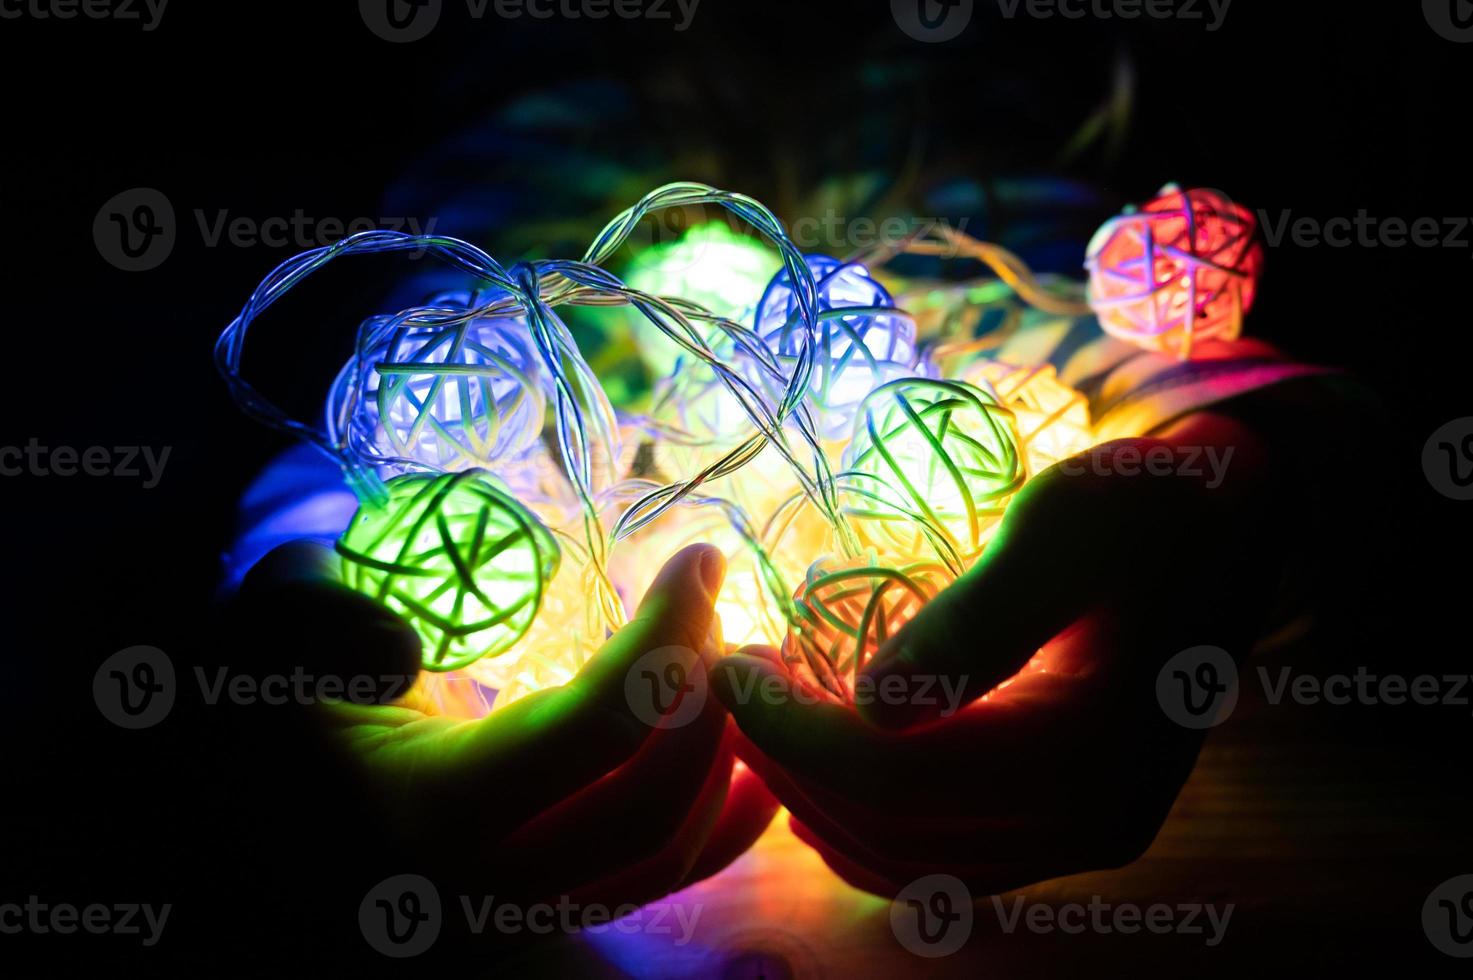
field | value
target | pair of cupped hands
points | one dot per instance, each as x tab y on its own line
575	791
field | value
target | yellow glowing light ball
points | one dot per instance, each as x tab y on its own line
560	641
1052	418
747	614
563	638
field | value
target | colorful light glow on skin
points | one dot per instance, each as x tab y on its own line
930	468
1181	269
457	557
856	351
747	612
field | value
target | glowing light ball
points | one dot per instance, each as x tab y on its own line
697	406
452	397
457	557
857	351
1052	418
745	609
556	646
931	466
709	264
848	609
1180	269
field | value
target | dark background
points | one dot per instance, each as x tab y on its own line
264	109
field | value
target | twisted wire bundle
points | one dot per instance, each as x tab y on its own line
441	397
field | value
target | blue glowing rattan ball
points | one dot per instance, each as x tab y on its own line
861	339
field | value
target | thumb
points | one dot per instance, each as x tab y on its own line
1063	546
677	614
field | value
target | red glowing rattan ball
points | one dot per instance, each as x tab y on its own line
1181	269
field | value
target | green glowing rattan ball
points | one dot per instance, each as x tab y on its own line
459	558
709	264
931	463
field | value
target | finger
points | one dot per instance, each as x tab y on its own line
630	815
888	878
1015	752
1066	545
677	611
831	747
854	874
664	871
911	829
745	816
293	614
792	725
797	797
555	742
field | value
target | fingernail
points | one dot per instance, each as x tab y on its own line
713	570
715	640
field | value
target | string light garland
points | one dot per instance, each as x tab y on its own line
803	414
1178	270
